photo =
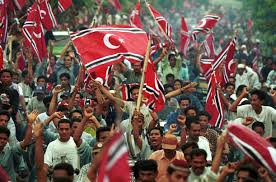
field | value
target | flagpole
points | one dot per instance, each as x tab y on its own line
147	4
143	75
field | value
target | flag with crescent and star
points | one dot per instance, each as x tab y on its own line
205	25
107	45
184	37
3	22
33	33
209	46
134	18
48	18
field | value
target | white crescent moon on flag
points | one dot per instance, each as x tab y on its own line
203	22
107	42
37	35
230	64
42	13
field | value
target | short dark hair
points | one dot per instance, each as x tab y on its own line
76	110
178	80
204	113
5	112
67	75
258	124
253	174
101	129
66	167
229	84
240	88
190	120
65	121
188	145
144	165
47	100
24	73
5	130
77	120
184	98
198	152
157	128
189	108
6	71
261	95
169	75
42	77
134	87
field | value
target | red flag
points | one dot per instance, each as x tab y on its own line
19	3
33	33
209	46
114	163
205	25
64	5
126	95
163	23
184	37
1	58
134	18
253	145
3	23
214	105
116	4
107	45
48	18
255	64
249	24
103	74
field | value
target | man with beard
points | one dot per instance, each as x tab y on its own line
145	171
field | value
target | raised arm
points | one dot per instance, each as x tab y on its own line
187	89
234	105
53	103
161	56
220	145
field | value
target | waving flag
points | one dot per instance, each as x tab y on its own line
230	62
33	33
205	25
1	58
19	3
3	22
162	22
48	18
253	145
116	4
64	5
107	45
214	105
184	37
103	74
209	46
114	161
134	18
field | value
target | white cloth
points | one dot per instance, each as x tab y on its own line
12	139
42	117
203	143
267	116
58	152
206	176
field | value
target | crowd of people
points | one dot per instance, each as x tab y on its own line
54	123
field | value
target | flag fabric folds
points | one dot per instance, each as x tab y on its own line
184	37
209	46
114	161
134	18
33	33
162	22
253	145
205	25
3	22
107	45
19	3
64	5
1	58
48	18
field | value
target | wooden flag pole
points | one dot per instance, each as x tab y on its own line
143	75
164	33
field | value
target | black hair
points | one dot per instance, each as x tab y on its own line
65	121
188	145
101	129
178	80
253	174
261	95
15	73
6	71
66	167
204	113
184	98
134	87
190	120
76	110
258	124
189	108
157	128
198	152
144	165
47	100
24	73
5	112
73	120
42	77
171	55
62	108
67	75
239	89
229	84
169	75
5	130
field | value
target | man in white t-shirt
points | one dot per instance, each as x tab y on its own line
193	128
62	149
257	112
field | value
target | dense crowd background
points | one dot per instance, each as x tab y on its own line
62	125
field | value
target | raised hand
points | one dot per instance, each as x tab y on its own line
58	89
173	128
32	116
229	168
37	130
247	121
245	91
181	119
88	113
57	115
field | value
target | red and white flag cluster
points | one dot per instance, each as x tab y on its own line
3	22
184	37
134	18
209	46
63	5
19	3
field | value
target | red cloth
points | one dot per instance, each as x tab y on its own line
134	18
19	3
48	18
184	37
64	5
